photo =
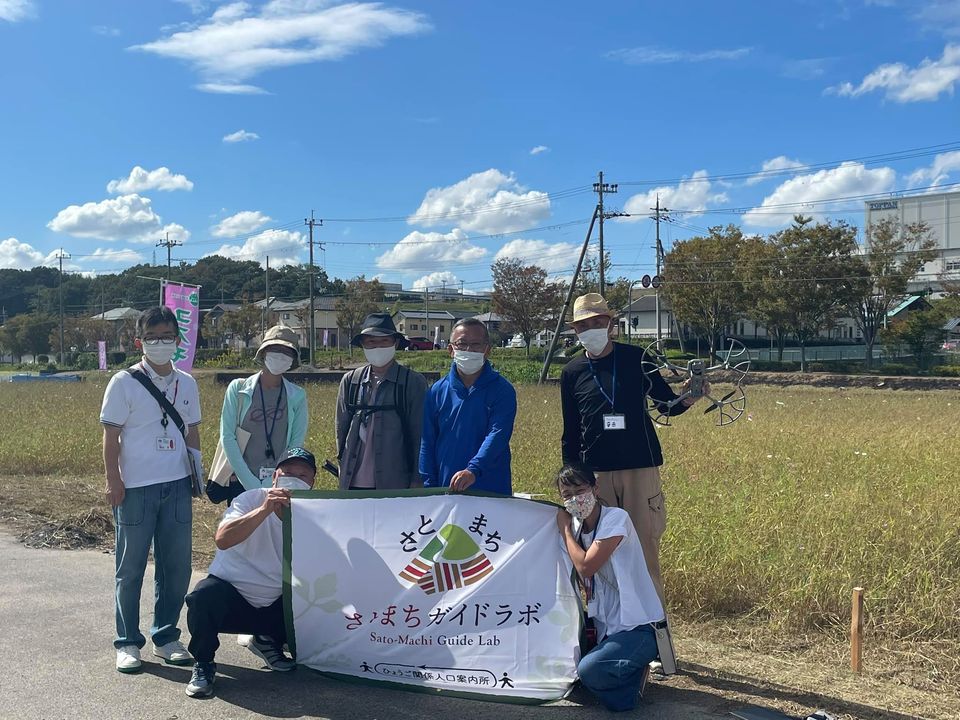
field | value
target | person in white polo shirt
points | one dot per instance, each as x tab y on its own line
146	459
243	591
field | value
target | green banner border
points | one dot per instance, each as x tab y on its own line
288	589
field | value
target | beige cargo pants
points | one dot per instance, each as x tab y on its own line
639	492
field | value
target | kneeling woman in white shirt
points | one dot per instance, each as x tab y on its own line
621	597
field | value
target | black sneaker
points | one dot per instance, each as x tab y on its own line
201	682
271	652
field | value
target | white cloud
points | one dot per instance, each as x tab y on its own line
20	255
486	202
552	257
652	55
941	167
127	217
903	84
423	251
173	232
239	42
106	30
230	89
436	280
941	16
125	256
283	247
773	165
245	221
240	136
694	194
139	180
539	149
849	179
16	10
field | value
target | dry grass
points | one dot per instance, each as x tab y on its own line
772	520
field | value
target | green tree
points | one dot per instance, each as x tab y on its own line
893	255
760	266
243	323
701	282
525	297
360	298
816	265
921	332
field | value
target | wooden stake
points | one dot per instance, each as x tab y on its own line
856	630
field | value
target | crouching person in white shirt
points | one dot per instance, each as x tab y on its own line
622	599
243	591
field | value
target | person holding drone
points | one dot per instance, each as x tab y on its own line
606	427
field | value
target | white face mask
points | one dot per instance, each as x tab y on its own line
469	363
594	341
159	354
291	483
378	357
277	363
580	506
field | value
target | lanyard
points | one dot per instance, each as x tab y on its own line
176	391
273	423
589	585
613	387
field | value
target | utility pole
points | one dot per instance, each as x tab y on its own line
461	291
168	244
266	300
311	223
600	188
426	310
61	255
659	213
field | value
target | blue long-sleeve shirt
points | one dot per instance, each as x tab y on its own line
469	429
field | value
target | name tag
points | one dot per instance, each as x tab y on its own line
614	421
266	473
165	444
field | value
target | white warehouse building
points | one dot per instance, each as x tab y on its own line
941	213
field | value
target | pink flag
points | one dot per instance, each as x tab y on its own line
184	300
102	353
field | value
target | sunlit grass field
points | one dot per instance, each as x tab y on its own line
776	517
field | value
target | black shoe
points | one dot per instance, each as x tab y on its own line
201	682
271	652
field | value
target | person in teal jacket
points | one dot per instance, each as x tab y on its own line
468	419
264	414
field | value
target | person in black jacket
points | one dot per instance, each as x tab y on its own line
606	426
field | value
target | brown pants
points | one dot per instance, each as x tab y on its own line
638	491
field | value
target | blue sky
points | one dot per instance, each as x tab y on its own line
435	137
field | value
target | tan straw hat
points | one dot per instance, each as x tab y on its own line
588	306
280	335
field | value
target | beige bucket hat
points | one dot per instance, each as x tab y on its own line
280	335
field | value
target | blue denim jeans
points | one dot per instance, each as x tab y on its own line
161	515
614	669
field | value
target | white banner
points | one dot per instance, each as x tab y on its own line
457	593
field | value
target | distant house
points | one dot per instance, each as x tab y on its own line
416	323
639	318
296	316
118	314
910	304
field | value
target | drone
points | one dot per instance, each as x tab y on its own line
735	358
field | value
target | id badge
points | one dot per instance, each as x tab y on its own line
614	421
266	474
165	444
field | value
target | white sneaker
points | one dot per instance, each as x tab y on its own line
128	659
244	640
173	653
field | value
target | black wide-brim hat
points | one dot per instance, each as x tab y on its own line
379	325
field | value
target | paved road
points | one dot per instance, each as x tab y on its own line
57	662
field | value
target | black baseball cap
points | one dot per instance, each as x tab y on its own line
298	453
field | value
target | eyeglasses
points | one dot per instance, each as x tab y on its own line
159	340
471	347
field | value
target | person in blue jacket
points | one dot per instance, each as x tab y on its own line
468	419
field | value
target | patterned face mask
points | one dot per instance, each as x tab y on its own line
580	506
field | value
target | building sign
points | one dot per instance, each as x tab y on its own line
460	594
885	205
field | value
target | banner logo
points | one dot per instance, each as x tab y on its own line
450	560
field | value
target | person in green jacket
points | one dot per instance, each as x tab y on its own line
264	414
